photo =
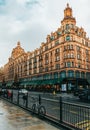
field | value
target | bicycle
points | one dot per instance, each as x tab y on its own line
38	108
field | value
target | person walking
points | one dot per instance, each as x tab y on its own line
24	98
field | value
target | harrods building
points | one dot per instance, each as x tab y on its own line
62	62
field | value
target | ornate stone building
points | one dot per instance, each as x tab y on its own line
63	61
16	66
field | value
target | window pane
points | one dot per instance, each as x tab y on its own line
67	38
70	73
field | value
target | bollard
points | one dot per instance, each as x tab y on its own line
18	98
60	109
39	99
12	96
27	101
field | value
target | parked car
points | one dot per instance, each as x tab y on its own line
77	91
85	95
23	91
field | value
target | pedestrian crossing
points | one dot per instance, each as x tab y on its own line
83	125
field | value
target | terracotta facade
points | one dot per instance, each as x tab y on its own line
65	55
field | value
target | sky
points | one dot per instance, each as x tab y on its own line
30	21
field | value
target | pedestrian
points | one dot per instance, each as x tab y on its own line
11	95
24	98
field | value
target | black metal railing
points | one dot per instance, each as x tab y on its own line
70	114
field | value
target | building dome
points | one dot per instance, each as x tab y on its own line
17	51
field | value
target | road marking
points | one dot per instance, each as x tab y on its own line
56	108
74	112
83	125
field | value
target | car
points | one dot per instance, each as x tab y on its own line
85	95
77	91
23	91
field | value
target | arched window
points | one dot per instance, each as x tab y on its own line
56	75
70	73
77	74
68	55
63	74
67	26
68	38
45	76
68	64
51	76
72	55
88	75
82	74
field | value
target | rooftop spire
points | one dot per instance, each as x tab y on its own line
18	43
68	11
67	5
68	15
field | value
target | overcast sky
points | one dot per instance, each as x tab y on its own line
30	21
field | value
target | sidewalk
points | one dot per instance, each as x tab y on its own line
14	118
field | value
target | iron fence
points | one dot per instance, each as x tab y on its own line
70	114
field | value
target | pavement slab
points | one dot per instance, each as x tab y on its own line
14	118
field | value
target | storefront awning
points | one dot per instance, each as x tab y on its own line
42	82
24	83
29	83
51	81
9	83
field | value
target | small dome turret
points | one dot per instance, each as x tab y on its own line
18	50
68	16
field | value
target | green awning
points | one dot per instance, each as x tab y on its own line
25	83
46	82
36	82
51	81
9	83
33	82
59	80
42	82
